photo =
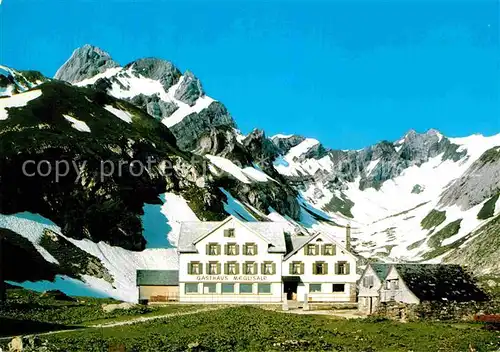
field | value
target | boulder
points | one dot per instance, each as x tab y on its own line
108	308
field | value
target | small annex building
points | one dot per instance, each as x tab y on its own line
157	286
414	284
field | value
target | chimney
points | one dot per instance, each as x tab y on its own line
348	237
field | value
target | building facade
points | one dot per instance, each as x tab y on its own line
319	269
257	262
370	284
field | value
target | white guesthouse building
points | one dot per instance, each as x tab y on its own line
257	262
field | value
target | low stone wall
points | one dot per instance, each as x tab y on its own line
450	311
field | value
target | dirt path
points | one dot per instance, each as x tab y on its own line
118	323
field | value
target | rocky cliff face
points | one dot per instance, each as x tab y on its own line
86	62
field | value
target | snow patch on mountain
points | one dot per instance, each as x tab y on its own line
122	115
110	72
77	124
17	100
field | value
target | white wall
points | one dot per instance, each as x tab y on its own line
242	236
327	280
401	294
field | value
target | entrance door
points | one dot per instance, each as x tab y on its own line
290	290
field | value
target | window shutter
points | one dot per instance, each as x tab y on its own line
323	249
314	268
334	249
274	268
208	249
208	268
218	249
226	249
305	249
255	249
255	268
190	268
200	267
226	268
237	248
218	268
347	268
290	268
326	268
237	268
262	266
336	268
301	268
245	249
316	250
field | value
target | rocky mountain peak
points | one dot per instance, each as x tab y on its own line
156	69
189	89
85	62
286	142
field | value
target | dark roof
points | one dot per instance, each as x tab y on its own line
157	277
381	269
440	282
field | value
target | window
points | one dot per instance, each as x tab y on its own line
209	288
338	288
249	268
311	249
395	285
229	233
314	288
191	288
368	281
387	285
296	268
246	288
213	268
342	268
320	268
328	249
249	249
264	288
213	249
231	268
227	288
195	268
268	268
231	249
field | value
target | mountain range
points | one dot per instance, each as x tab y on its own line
423	198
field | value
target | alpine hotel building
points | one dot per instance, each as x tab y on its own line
257	262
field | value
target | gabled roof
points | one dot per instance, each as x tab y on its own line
381	269
439	282
193	232
157	278
295	243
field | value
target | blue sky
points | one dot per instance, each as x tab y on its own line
348	73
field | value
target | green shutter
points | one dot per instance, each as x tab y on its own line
255	268
237	268
316	250
218	268
336	268
208	268
326	268
208	249
347	268
226	268
314	268
226	248
334	249
262	268
290	268
305	249
218	249
323	249
255	249
245	248
302	268
200	266
273	268
237	249
190	268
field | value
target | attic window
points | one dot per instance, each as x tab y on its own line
229	233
